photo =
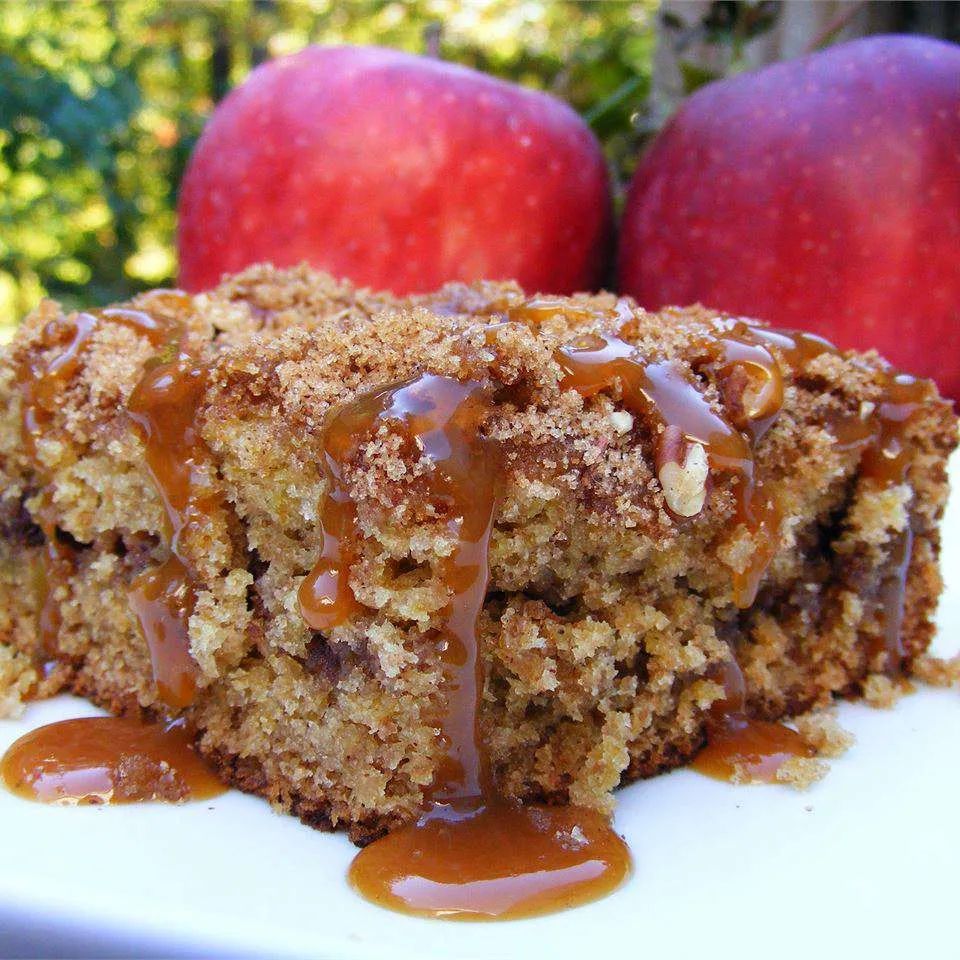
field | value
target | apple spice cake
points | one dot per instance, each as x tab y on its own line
240	508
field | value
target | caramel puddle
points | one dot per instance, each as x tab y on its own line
741	749
94	760
501	861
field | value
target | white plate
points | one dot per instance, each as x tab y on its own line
865	863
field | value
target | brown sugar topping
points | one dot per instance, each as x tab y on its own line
472	854
107	760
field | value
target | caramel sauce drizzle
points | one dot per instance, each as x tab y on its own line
162	599
57	564
472	854
740	748
113	760
751	383
163	406
659	391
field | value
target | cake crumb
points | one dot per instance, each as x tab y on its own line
882	692
822	733
802	772
621	421
937	671
17	680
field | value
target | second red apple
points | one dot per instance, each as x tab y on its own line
822	193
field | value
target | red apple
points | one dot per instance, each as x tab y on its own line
400	172
821	193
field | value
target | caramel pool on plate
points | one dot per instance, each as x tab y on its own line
500	861
113	760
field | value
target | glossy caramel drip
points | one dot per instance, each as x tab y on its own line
749	377
741	749
441	417
107	760
660	391
471	854
56	567
537	310
797	347
164	406
41	378
162	599
893	591
886	458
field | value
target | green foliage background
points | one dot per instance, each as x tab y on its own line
101	102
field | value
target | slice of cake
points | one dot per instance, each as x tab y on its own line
295	513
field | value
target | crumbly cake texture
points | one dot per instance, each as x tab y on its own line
606	618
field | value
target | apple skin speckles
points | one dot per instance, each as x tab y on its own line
398	172
821	193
